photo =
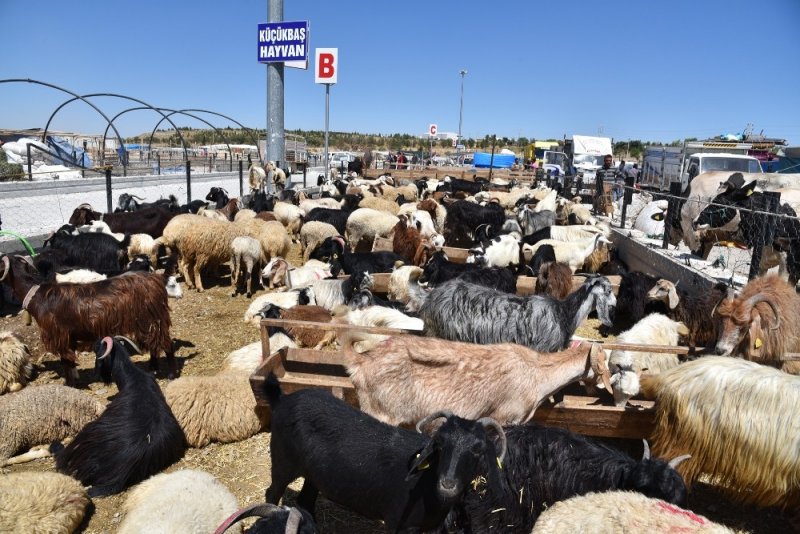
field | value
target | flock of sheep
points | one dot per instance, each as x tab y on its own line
469	386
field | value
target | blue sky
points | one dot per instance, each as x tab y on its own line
631	69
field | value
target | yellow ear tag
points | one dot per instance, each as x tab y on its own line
759	343
749	192
423	465
335	256
499	464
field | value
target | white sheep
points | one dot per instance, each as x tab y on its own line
380	204
312	234
308	204
622	512
16	367
39	415
79	276
246	254
366	223
143	244
625	365
650	219
573	254
280	272
243	214
384	317
290	216
41	503
283	300
398	283
182	501
548	203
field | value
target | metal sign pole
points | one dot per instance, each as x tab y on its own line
327	115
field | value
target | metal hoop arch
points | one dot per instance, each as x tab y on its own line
77	97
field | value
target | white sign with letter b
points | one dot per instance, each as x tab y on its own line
326	68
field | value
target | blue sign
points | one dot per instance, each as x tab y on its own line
283	41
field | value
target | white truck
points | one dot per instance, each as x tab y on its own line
663	165
587	154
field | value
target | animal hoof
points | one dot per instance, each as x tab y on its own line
249	294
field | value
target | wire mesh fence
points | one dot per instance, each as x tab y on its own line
732	232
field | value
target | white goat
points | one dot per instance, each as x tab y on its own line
573	254
501	252
247	254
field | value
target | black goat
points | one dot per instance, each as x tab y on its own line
334	217
544	254
439	269
128	202
219	196
545	465
464	217
261	201
150	221
193	206
272	520
364	298
499	278
96	251
406	479
454	185
632	302
136	436
333	250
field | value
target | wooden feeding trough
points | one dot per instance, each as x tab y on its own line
298	369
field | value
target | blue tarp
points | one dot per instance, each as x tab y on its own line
70	154
501	161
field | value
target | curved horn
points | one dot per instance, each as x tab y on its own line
87	206
646	453
129	340
730	295
488	422
675	462
752	301
261	510
109	343
6	268
136	197
432	417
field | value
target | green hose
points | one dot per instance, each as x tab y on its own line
28	246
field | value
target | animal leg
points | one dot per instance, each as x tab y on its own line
70	369
197	278
308	496
172	364
40	451
329	339
234	276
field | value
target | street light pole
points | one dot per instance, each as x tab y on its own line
463	73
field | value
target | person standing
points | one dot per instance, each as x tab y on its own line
605	174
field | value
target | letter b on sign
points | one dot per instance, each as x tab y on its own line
327	65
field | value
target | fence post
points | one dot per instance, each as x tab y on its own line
241	178
28	150
627	196
158	162
675	191
108	188
767	223
188	181
305	170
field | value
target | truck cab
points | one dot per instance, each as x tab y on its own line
700	163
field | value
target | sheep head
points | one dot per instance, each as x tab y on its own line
666	292
742	320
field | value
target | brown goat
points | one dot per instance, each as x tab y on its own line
554	280
762	323
406	239
309	337
74	316
402	378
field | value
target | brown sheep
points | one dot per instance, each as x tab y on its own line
406	239
761	323
309	337
554	280
266	216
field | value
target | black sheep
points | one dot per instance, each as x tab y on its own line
545	465
406	479
334	217
544	254
136	436
96	251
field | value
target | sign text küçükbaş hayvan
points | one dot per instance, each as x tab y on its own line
283	41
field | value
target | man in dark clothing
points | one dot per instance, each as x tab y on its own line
605	174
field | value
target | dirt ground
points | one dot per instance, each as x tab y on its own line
207	326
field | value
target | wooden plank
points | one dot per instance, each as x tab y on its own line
456	255
585	416
315	356
335	326
380	283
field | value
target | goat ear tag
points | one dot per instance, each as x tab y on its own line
499	463
759	343
335	256
749	192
